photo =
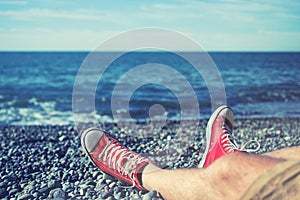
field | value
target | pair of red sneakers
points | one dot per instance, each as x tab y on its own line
114	159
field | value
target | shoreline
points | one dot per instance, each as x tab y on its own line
46	161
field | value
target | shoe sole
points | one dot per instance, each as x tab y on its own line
208	132
280	182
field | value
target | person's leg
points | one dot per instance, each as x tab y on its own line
220	141
229	176
291	153
226	178
226	173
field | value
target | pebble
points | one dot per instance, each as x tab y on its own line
13	191
57	193
117	195
47	162
169	138
54	184
112	184
106	194
62	138
3	193
95	174
108	177
82	191
35	195
45	189
3	185
91	183
100	186
150	195
67	188
10	178
26	197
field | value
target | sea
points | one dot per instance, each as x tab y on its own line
37	88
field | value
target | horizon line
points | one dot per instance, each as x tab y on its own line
111	51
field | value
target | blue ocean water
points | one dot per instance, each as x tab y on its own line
36	87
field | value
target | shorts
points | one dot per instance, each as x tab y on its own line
279	182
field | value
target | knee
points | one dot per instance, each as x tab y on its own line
221	167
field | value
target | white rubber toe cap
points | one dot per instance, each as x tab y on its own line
90	138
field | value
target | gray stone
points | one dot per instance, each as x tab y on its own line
117	195
26	197
29	188
45	189
82	191
108	177
36	195
112	185
3	193
106	194
54	184
100	186
10	178
92	183
62	138
151	194
3	185
13	191
67	188
95	174
57	193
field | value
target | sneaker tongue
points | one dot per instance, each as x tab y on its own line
103	142
228	123
123	161
232	143
230	138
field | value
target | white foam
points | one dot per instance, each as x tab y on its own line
42	113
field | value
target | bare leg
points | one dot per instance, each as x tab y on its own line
226	178
291	153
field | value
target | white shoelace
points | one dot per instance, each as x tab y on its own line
231	145
115	155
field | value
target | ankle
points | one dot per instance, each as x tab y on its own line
148	174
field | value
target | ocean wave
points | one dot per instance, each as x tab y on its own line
42	113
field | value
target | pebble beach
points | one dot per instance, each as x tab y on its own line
47	162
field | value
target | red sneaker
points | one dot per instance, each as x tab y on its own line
112	158
219	137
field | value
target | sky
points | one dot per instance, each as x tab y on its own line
217	25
